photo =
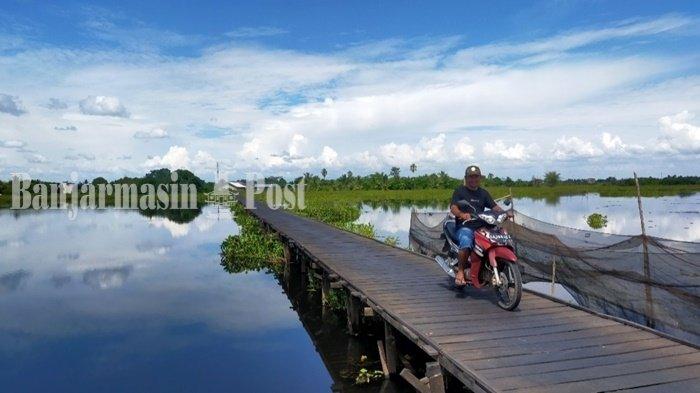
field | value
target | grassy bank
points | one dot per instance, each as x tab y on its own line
543	192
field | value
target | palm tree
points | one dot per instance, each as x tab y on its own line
413	168
324	172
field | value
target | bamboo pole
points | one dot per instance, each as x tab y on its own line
554	274
649	306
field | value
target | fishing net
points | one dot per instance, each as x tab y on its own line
651	281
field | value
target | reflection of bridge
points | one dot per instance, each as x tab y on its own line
337	350
544	346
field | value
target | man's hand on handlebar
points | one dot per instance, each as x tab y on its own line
510	213
465	216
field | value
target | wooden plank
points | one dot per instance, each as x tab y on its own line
687	385
523	349
581	353
519	333
622	381
595	372
574	364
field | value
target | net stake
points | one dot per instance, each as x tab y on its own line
647	273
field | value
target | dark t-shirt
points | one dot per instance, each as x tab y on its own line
479	198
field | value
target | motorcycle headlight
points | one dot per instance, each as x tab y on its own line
488	218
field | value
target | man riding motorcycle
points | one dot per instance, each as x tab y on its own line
479	199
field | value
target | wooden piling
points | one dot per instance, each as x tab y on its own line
353	306
390	350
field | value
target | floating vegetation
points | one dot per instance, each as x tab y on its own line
252	249
364	371
597	221
365	376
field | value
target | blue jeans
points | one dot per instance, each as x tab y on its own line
465	237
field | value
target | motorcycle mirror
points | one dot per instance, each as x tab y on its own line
507	202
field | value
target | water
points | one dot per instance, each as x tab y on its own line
117	301
673	217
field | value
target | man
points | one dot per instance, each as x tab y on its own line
479	199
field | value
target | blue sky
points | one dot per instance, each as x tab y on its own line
597	88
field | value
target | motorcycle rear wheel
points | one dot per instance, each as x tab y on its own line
511	291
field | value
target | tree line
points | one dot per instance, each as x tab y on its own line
393	180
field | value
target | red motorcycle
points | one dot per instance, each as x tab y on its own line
493	260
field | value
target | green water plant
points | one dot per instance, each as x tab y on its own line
365	376
597	221
252	249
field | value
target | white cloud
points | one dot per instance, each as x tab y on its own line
103	106
678	134
567	148
510	151
613	145
464	149
11	105
12	144
329	157
203	160
289	111
176	158
155	133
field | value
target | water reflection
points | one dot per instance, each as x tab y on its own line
120	301
672	217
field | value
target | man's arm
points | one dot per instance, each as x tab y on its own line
494	206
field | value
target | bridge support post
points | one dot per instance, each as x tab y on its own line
325	294
392	355
433	381
436	382
353	306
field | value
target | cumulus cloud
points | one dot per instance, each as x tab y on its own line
678	134
11	105
428	149
464	149
613	145
567	148
103	106
155	133
56	104
176	158
66	128
510	151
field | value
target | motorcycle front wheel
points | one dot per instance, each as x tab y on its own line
511	289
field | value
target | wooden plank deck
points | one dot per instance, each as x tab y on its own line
544	346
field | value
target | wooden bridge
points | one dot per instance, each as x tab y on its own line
544	346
